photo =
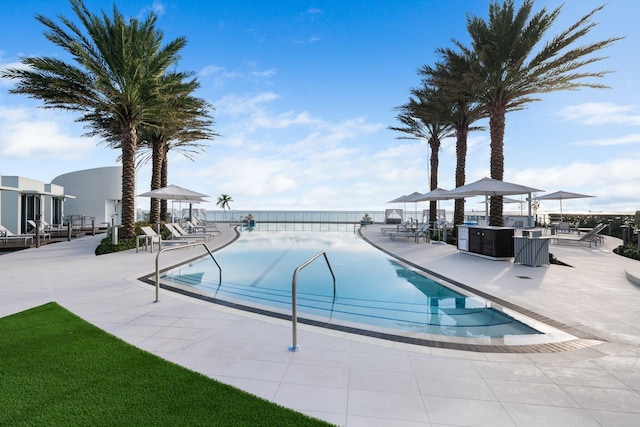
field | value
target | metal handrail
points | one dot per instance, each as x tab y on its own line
294	305
182	247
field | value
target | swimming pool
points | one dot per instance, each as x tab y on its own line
373	290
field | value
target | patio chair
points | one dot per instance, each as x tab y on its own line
8	237
194	228
42	232
176	234
183	232
208	228
589	238
421	231
149	237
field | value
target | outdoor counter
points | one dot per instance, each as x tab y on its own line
492	242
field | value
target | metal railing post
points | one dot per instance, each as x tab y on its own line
294	304
190	245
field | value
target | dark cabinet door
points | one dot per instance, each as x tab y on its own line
475	240
491	242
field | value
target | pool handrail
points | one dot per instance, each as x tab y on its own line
157	277
294	305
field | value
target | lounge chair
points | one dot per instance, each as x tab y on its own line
208	228
57	229
7	237
42	232
149	237
194	228
421	231
183	232
591	237
176	234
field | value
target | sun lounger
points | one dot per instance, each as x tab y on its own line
42	232
7	237
421	231
178	235
185	233
592	237
149	237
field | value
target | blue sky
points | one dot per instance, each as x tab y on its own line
305	92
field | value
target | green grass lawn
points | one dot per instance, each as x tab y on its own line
57	369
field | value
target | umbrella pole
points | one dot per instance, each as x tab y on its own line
486	209
530	214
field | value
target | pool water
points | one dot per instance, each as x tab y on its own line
373	290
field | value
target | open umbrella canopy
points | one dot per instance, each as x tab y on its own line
174	192
437	194
492	187
561	195
406	198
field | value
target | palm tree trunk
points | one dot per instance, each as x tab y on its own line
163	183
434	161
128	219
461	161
156	170
496	126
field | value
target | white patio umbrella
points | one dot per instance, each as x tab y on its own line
175	193
561	195
407	198
435	194
492	187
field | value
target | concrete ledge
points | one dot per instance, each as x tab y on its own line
633	275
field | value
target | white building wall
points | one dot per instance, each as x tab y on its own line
13	188
97	193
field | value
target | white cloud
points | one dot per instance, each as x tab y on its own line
238	105
37	134
602	113
630	139
219	75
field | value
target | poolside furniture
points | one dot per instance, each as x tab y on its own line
393	216
176	234
592	237
193	228
183	232
42	232
7	237
415	233
490	242
208	228
57	229
149	237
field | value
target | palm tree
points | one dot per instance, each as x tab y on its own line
457	103
187	120
116	79
510	73
223	202
419	122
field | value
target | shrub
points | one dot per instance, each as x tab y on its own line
629	251
106	246
556	261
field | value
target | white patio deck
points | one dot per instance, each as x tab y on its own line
352	380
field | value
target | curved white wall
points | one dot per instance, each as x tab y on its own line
97	191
